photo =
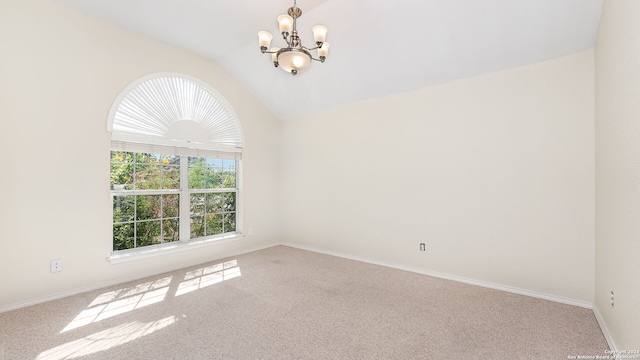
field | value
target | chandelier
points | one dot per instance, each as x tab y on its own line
295	57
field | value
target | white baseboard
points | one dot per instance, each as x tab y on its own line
485	284
122	280
605	329
490	285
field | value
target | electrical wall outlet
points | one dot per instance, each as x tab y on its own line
613	300
422	247
56	265
250	231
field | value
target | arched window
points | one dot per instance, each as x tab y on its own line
176	153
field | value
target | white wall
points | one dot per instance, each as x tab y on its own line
60	72
493	173
617	68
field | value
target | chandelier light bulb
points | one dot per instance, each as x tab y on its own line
324	50
319	33
264	38
285	23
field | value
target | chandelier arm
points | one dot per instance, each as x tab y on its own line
313	48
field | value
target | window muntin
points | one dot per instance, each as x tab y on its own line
147	198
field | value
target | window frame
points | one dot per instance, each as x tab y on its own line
184	216
173	113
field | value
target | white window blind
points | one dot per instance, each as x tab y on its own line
174	111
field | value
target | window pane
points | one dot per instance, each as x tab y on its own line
170	230
121	156
210	173
144	171
229	174
214	203
229	202
197	226
196	177
213	162
170	205
147	233
170	177
123	208
197	204
213	177
229	222
214	224
229	165
148	207
170	160
147	177
196	161
121	176
123	236
147	158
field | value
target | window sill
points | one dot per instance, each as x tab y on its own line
169	248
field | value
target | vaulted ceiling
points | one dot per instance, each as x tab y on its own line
378	47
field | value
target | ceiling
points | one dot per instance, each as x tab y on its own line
378	47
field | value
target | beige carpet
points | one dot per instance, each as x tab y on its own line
285	303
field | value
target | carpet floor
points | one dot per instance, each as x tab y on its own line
286	303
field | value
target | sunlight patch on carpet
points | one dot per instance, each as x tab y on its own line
121	301
105	340
207	276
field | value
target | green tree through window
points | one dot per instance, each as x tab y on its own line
212	208
147	198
